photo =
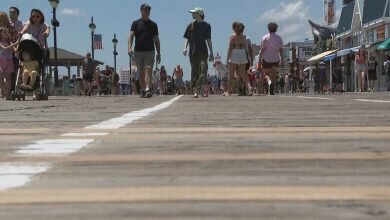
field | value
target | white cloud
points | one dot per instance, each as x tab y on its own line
292	20
72	12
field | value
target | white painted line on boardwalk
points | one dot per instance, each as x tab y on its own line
372	100
17	175
122	121
84	134
14	175
58	147
319	98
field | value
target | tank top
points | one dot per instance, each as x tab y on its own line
37	32
361	60
178	73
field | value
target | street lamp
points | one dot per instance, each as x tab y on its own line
92	27
115	42
55	23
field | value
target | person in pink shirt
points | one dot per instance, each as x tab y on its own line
271	54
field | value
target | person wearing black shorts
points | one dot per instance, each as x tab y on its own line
145	32
372	74
89	67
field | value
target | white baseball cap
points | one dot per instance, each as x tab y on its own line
198	11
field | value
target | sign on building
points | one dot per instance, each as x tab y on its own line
305	53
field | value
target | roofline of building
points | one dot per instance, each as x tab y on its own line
376	22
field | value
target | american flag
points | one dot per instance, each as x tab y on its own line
98	42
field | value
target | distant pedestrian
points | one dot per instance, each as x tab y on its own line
145	32
238	57
155	81
271	54
386	67
179	83
372	73
198	38
89	69
163	80
361	66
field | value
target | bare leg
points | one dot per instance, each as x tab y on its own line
363	77
244	76
25	77
148	77
33	78
232	70
85	87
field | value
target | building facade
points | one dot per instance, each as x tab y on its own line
364	23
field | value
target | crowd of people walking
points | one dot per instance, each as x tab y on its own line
242	74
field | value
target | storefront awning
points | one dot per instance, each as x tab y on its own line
385	45
322	55
341	53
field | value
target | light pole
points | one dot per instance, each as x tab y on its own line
55	23
92	27
115	42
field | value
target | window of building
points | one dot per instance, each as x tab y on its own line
370	36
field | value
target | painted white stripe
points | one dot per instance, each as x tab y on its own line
122	121
319	98
372	100
84	134
58	147
17	175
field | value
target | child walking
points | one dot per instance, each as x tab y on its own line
6	63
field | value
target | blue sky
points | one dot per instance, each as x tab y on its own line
172	17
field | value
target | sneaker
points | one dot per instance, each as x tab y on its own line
195	95
148	94
142	94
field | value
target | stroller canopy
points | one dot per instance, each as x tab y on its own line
29	44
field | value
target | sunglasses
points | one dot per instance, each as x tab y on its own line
36	16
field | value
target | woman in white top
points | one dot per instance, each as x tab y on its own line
36	26
238	56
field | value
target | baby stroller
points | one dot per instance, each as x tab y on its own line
170	86
105	84
29	44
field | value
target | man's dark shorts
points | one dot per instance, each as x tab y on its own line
88	77
266	65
